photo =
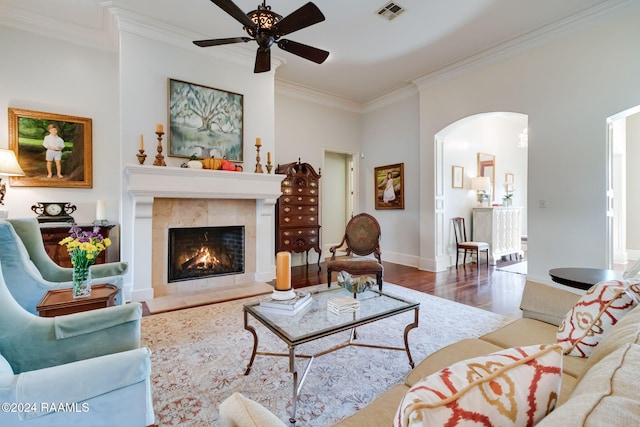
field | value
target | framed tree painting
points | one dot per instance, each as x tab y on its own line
204	122
389	186
53	150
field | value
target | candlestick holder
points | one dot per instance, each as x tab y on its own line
141	156
258	165
269	166
159	157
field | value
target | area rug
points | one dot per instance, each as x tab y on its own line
199	356
519	268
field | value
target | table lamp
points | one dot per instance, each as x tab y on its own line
8	166
481	184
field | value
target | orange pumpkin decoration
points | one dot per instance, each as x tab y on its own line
238	168
212	163
228	166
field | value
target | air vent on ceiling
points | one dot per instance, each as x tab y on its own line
390	11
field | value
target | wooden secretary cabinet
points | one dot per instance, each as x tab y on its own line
53	233
297	210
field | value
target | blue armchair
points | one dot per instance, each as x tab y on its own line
89	362
29	272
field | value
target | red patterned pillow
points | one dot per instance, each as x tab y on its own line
594	314
513	387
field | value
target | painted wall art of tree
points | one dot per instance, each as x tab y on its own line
204	121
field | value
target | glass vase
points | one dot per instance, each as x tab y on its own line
81	282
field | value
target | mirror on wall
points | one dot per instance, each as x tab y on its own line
487	167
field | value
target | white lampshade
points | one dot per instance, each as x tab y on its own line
9	163
481	183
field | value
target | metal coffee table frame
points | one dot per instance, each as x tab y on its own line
315	322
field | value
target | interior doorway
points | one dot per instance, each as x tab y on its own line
623	184
338	191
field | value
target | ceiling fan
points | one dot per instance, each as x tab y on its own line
266	28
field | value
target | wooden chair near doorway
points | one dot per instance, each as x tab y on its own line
462	244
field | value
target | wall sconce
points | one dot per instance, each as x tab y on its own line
8	166
481	184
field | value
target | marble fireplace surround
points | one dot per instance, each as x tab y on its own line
164	197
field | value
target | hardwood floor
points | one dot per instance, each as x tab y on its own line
493	289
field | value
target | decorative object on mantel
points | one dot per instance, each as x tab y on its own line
141	156
283	290
83	248
269	164
54	211
159	157
9	167
258	165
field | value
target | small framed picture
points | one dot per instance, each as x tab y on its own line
509	182
457	177
389	185
54	150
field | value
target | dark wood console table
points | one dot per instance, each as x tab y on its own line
583	278
53	233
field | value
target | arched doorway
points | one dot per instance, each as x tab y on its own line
501	134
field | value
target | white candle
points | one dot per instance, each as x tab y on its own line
258	142
101	210
283	271
159	128
141	143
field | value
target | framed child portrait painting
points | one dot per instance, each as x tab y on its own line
389	186
53	150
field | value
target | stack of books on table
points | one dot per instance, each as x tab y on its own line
287	307
343	305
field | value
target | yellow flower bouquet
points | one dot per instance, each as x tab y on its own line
83	248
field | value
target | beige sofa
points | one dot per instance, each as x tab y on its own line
603	389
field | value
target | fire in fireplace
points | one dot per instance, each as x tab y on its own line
201	252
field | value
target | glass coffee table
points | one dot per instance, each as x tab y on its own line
316	321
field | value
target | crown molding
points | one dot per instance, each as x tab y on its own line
527	42
305	93
25	20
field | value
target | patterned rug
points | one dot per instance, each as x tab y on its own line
200	354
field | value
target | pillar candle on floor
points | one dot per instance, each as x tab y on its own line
283	271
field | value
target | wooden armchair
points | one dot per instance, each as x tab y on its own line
362	238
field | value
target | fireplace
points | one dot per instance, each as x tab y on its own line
201	252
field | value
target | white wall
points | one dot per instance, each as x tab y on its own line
567	89
633	184
48	75
391	135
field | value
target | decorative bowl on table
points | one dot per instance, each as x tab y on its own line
355	285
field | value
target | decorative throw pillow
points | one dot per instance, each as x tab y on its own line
594	314
513	387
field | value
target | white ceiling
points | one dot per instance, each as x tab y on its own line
370	56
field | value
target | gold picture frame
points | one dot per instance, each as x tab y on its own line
27	132
457	177
389	186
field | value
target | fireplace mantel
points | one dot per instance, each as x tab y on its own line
172	182
145	183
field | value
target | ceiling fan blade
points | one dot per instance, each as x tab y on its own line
307	52
303	17
218	42
237	13
263	61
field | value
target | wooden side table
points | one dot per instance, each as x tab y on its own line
58	302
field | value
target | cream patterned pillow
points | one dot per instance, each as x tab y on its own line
594	314
513	387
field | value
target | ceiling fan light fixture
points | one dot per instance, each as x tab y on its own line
264	19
